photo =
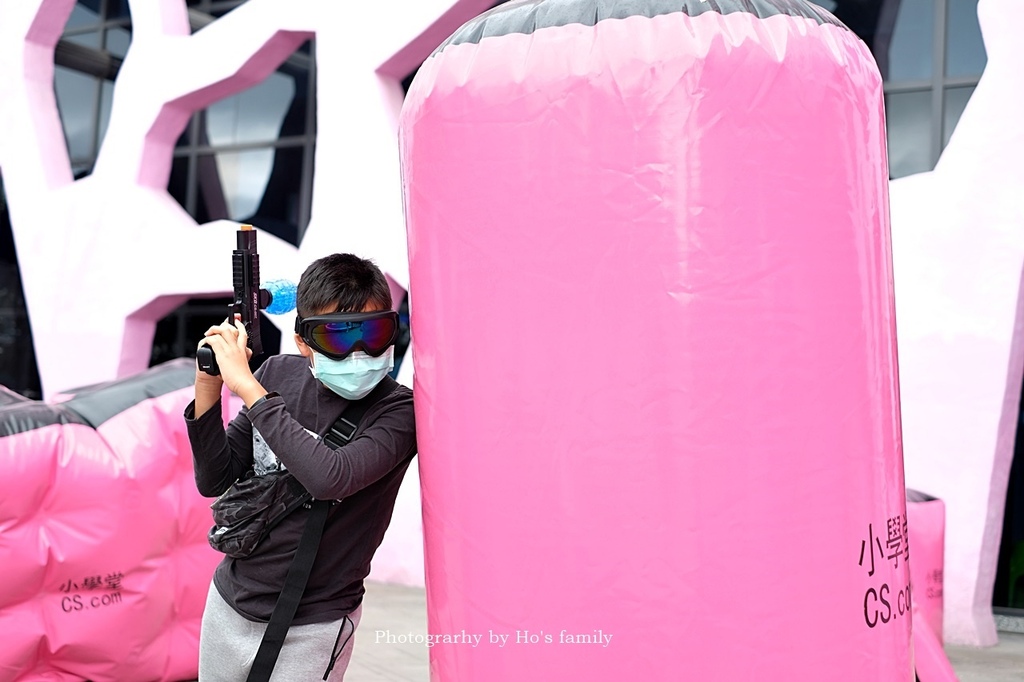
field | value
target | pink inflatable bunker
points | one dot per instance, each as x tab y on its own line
926	521
102	534
926	516
656	380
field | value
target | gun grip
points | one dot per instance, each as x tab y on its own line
207	361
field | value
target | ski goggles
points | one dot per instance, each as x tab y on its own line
339	334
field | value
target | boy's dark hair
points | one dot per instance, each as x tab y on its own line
341	283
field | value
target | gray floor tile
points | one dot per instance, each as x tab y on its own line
399	610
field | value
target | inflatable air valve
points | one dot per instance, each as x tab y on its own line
656	382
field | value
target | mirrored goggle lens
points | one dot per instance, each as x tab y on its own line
341	338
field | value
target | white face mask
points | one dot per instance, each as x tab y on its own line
355	376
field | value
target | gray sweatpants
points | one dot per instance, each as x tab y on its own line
228	644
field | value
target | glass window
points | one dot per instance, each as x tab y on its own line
259	186
118	40
76	100
81	169
177	184
254	115
84	14
909	126
209	194
910	53
177	334
184	140
278	210
117	9
89	39
18	370
106	100
965	50
243	180
219	9
955	100
244	158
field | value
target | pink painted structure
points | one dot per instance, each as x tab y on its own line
958	250
110	254
94	231
656	373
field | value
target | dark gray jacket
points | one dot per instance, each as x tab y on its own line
365	475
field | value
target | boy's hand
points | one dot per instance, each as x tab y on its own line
229	342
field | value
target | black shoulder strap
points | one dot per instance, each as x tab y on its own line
343	430
288	601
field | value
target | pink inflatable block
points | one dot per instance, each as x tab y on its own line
926	523
926	518
656	380
104	535
931	664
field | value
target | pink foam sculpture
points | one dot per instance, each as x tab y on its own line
103	535
656	375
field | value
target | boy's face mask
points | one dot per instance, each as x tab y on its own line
355	376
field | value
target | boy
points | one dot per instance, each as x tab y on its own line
345	334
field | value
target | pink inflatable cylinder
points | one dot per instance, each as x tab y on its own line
656	382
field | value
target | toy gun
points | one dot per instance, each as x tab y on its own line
249	298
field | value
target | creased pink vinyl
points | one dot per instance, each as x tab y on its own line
926	516
656	378
103	535
926	520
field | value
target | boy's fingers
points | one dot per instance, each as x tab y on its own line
228	327
242	339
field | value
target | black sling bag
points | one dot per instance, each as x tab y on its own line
343	430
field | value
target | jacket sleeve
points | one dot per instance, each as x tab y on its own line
219	456
328	474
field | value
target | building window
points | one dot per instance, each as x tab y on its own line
246	158
249	158
87	59
18	369
931	56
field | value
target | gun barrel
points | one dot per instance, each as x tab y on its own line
245	263
246	238
249	299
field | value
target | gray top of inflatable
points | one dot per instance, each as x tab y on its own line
93	405
526	16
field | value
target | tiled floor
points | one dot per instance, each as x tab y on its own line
391	613
1001	663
